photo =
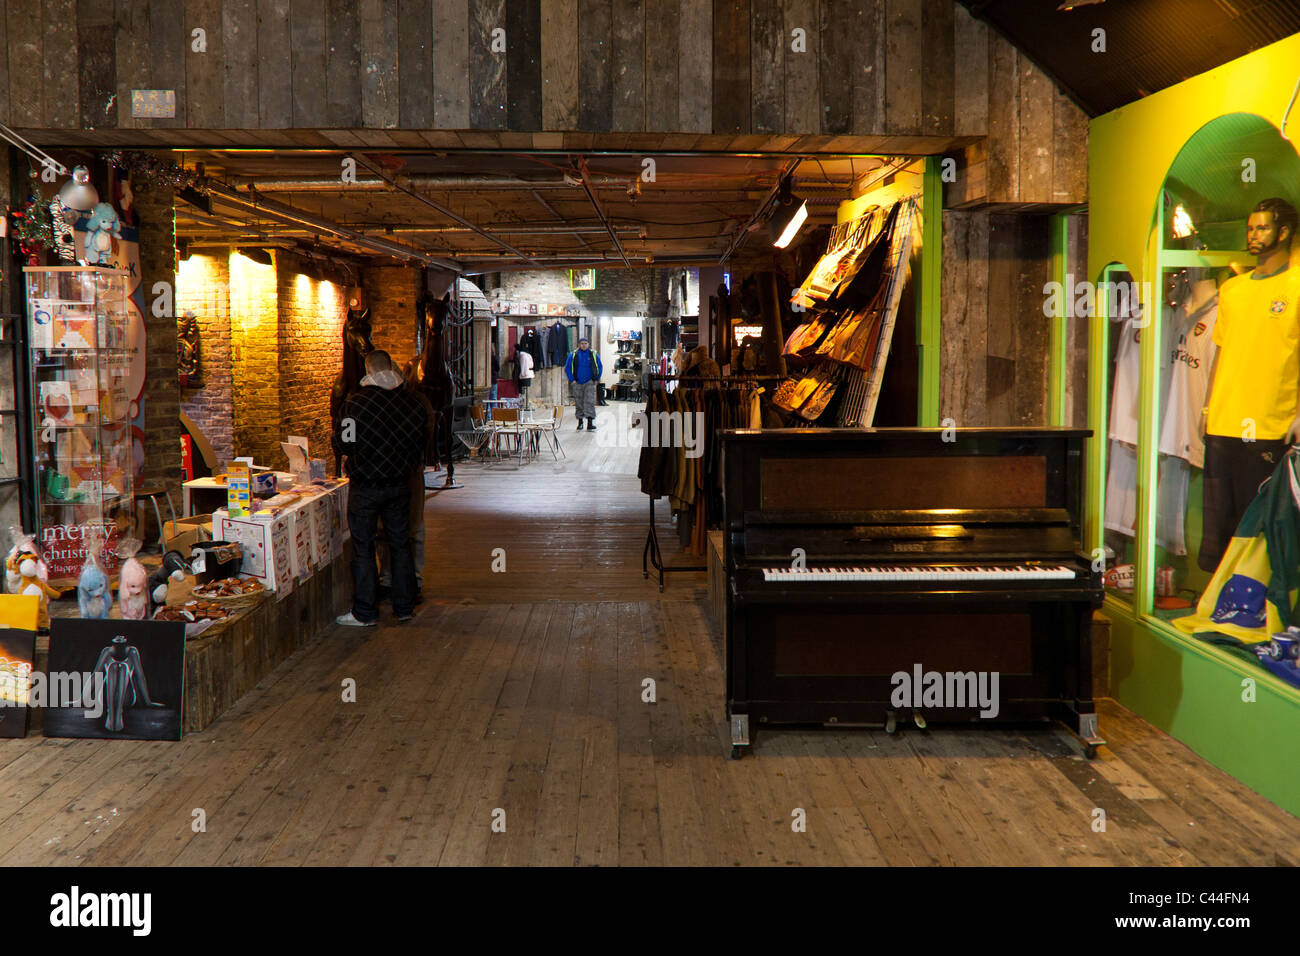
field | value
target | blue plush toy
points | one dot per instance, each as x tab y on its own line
101	227
93	595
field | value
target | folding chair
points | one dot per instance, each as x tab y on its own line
480	431
506	423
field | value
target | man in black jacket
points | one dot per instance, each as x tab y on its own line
382	432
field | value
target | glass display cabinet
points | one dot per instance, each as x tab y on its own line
80	356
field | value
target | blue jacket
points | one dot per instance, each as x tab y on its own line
580	369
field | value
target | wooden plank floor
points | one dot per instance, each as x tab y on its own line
515	698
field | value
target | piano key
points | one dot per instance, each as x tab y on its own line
922	573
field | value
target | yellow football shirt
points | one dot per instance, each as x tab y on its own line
1258	375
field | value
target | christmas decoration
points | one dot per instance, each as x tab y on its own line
62	218
31	225
146	169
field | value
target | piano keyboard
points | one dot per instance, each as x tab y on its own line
923	573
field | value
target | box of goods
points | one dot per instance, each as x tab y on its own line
266	544
182	534
300	533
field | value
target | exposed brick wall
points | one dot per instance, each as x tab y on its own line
255	359
154	207
310	343
620	291
390	294
203	286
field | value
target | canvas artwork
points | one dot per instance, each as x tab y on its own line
119	680
18	617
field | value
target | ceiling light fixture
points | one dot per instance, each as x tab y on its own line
260	256
788	215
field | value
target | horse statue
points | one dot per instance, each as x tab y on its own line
429	374
356	345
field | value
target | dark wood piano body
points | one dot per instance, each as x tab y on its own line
825	652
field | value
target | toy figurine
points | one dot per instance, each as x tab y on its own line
93	595
132	593
174	568
30	570
27	573
101	228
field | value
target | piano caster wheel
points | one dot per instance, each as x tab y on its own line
737	753
919	719
1089	751
891	723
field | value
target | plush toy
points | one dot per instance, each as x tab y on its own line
174	568
93	595
102	227
31	573
132	593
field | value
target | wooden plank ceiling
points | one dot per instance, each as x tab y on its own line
535	203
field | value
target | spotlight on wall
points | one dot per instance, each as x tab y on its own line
260	256
789	215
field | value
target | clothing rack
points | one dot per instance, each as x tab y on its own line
739	378
651	555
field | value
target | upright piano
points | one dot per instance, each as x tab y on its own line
861	562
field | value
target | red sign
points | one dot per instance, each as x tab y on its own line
65	546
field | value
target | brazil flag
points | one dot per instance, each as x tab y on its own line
1253	592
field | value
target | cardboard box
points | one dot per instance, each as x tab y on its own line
183	533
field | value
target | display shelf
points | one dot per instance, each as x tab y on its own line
78	332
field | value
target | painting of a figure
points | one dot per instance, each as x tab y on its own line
116	679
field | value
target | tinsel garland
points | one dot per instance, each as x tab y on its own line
146	169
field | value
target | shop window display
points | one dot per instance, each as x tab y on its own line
1119	301
1229	353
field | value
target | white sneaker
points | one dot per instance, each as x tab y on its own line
347	620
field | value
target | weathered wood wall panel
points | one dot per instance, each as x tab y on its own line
731	99
560	64
938	73
595	80
994	336
901	76
487	64
970	74
132	50
629	92
802	73
662	54
905	62
239	46
275	64
4	56
523	64
415	64
1036	149
26	49
97	65
450	64
840	47
59	23
867	63
767	66
343	63
379	79
695	67
204	105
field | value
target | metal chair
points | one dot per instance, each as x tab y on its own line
152	493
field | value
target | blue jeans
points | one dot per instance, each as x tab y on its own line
365	507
